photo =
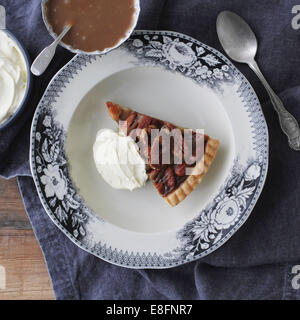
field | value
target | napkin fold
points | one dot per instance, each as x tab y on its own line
257	262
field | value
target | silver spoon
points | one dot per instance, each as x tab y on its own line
239	42
42	61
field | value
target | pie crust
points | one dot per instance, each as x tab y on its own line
178	195
186	183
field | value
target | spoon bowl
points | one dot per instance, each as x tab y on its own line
241	46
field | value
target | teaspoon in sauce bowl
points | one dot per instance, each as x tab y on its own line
42	61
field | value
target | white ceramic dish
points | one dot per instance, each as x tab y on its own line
77	51
173	77
21	106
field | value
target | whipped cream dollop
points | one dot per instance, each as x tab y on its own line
118	160
13	76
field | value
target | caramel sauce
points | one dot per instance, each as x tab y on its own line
96	24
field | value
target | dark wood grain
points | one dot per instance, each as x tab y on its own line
23	272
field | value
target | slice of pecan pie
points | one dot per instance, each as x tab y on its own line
176	159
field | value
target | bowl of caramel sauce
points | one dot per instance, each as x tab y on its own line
98	26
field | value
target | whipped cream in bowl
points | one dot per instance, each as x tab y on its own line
14	78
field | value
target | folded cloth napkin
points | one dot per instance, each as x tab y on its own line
257	262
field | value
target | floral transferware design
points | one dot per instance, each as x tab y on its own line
211	225
55	182
52	172
193	60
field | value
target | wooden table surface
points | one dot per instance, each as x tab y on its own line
23	272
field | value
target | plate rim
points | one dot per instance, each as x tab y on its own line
215	246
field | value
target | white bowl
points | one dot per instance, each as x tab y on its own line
22	104
70	48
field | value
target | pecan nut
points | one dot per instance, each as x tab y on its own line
170	178
181	170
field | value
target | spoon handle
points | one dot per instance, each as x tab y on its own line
42	61
64	32
288	123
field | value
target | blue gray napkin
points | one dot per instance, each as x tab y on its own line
257	262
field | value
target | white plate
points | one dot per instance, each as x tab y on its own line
172	77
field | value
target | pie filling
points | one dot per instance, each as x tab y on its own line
183	151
